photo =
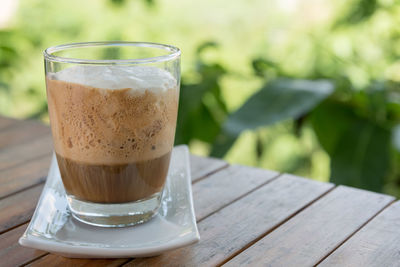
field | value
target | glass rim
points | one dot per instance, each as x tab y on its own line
49	53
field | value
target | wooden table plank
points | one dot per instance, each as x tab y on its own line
21	215
226	232
376	244
18	208
225	186
208	201
54	260
202	167
241	212
315	232
6	122
11	253
22	153
22	132
23	176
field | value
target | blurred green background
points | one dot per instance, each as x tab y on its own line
309	87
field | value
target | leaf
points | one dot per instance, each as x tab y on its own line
199	118
361	157
279	100
329	120
222	144
201	125
263	67
189	101
396	137
358	12
205	45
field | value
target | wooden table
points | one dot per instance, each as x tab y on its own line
246	216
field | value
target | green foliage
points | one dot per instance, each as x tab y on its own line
361	157
396	137
360	10
328	86
201	107
279	100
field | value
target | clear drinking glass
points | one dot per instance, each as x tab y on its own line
113	109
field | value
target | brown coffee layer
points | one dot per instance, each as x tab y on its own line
117	183
102	126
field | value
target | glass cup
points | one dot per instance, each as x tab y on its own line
113	109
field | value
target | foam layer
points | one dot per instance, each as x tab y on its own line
92	124
138	78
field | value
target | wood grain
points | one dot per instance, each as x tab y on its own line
202	167
18	208
316	231
223	187
20	154
6	122
11	253
216	191
55	260
24	175
22	132
376	244
229	230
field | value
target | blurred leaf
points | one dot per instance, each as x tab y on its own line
206	45
259	147
123	2
376	94
264	68
279	100
118	2
222	144
190	99
360	10
396	137
329	120
361	157
196	118
150	2
202	125
298	124
8	55
201	106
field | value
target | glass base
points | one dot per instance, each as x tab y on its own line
115	215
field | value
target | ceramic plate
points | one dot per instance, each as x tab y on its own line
53	229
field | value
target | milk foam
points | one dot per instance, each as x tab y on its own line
138	78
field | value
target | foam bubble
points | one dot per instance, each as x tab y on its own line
139	78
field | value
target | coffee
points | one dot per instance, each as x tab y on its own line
113	130
117	183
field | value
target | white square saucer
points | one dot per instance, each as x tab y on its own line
53	229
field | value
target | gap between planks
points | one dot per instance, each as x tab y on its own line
25	162
272	178
41	179
242	196
211	173
24	189
27	222
357	230
282	246
275	227
35	259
